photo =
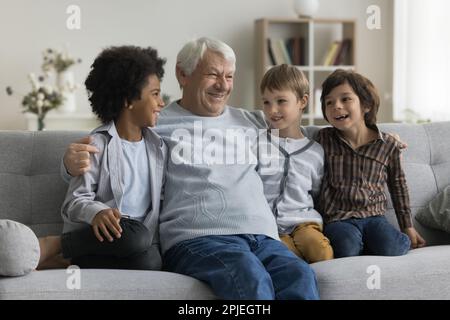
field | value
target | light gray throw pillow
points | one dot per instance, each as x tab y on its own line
19	249
437	214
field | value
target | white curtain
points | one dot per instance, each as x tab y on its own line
422	60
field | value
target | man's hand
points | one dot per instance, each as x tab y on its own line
107	221
416	240
76	159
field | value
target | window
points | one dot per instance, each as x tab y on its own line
422	60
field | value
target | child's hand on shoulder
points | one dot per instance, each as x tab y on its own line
416	240
107	221
402	144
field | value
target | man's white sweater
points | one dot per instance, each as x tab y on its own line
212	187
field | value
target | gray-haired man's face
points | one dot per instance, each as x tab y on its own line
207	89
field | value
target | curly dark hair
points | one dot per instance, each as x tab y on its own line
117	77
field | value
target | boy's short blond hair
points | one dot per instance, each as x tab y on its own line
285	77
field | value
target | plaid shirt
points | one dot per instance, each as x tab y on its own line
354	181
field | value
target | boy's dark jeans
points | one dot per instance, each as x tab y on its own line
133	250
372	235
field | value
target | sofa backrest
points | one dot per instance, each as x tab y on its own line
427	168
32	191
426	163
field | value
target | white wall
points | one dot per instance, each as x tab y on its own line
28	27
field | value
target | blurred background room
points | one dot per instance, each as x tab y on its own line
49	45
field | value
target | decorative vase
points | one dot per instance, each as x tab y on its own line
40	122
66	85
306	8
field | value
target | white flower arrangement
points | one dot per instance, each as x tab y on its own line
41	99
44	97
58	61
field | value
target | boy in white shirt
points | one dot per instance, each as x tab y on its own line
292	170
111	212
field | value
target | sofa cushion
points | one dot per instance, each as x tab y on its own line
19	249
436	214
101	284
420	274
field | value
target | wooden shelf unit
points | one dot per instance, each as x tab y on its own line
318	35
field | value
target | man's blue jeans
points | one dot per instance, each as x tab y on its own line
244	267
372	235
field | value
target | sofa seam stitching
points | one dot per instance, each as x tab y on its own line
426	129
30	175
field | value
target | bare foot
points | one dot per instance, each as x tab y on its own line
50	246
55	262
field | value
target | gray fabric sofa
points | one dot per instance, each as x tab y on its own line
31	192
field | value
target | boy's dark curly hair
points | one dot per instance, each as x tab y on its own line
117	77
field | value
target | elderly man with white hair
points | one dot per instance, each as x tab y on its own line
215	223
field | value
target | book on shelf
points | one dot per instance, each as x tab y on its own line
337	53
303	51
275	49
270	52
290	46
286	57
331	53
343	52
296	49
289	51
